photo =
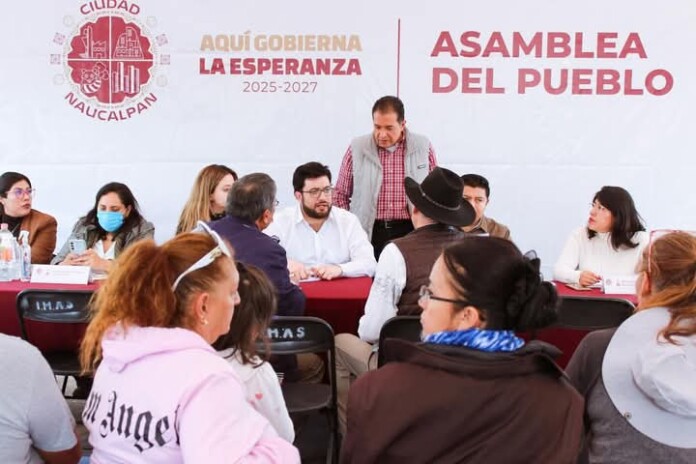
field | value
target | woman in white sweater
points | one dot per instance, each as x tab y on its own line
610	244
249	323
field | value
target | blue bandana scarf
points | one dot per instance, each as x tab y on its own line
482	340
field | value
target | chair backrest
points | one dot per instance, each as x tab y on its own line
592	313
403	327
53	306
294	334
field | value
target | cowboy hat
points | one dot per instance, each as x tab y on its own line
439	197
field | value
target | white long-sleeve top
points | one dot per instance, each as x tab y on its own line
263	392
581	253
341	240
385	293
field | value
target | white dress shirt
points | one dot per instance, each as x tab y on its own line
341	240
385	293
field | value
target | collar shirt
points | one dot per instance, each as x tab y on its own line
341	240
392	201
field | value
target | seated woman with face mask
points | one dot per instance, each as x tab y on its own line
113	223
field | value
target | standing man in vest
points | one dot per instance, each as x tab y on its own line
371	180
403	268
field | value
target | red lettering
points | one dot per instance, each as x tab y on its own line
562	85
628	84
467	40
496	44
581	77
470	77
438	74
650	84
558	45
527	78
218	67
526	48
579	52
608	82
201	67
633	45
445	44
235	65
490	86
606	43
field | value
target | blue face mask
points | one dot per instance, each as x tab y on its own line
110	221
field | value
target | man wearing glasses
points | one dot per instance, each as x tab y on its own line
250	207
403	269
321	241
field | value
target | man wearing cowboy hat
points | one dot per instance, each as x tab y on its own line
438	212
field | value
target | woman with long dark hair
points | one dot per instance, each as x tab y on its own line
16	197
113	223
610	243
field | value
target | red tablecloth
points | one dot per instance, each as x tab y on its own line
567	340
339	302
47	337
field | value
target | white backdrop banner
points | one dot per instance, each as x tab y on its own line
548	100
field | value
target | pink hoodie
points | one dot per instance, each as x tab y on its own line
164	396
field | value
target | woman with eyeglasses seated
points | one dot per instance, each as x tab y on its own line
639	380
161	393
472	391
208	197
249	324
113	224
16	195
609	245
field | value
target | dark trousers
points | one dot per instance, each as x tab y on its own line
385	231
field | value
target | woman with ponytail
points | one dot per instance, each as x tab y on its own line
639	380
161	394
472	391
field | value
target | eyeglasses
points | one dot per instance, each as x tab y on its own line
275	203
656	234
19	192
316	192
425	294
207	259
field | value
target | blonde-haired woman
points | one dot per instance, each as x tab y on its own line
639	381
208	197
161	394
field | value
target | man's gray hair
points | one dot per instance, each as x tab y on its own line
251	195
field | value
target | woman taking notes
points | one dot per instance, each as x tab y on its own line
610	244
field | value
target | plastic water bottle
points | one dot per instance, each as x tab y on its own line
9	255
25	254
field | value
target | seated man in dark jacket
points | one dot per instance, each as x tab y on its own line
250	207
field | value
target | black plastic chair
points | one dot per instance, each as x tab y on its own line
592	313
290	335
402	327
55	307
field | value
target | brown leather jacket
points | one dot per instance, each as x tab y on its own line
449	404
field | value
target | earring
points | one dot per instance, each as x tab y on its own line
204	321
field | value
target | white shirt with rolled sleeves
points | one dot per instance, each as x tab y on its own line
385	293
341	240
